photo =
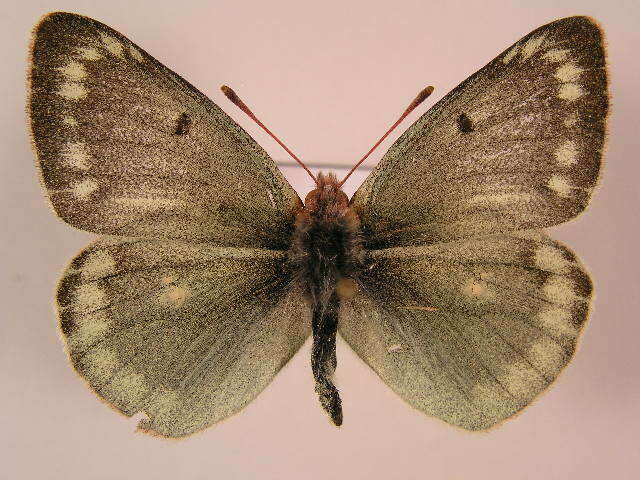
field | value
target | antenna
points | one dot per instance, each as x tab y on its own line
421	97
231	95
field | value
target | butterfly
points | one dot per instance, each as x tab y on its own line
211	272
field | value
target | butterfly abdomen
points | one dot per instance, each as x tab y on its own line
327	255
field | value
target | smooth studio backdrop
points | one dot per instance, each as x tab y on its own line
328	77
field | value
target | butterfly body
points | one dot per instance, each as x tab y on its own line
327	255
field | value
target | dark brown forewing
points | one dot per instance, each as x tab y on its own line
128	147
517	145
186	333
469	331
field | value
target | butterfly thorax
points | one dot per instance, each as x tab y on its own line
327	255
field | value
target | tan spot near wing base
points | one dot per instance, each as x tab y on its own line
174	296
477	289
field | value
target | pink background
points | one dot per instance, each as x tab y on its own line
329	77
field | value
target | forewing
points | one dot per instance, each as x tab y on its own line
470	331
188	334
127	147
516	146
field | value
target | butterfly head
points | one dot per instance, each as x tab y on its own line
327	199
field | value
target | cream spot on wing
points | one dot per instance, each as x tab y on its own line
270	195
75	155
548	257
72	91
500	198
150	203
569	72
128	386
559	289
560	185
174	295
556	55
135	53
69	120
547	355
567	153
89	328
74	71
89	297
571	120
111	44
521	380
89	53
100	363
510	54
98	264
84	188
570	91
394	348
557	321
532	45
477	289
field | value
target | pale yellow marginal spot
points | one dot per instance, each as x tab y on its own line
556	55
111	44
500	198
477	289
135	53
100	363
150	203
89	297
69	120
557	321
98	265
162	402
548	257
520	379
84	188
571	120
89	328
567	153
74	71
72	91
559	289
75	155
128	386
547	355
570	91
492	400
560	185
174	295
510	54
569	72
89	53
532	45
394	348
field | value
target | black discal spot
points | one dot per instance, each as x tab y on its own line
465	125
183	124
